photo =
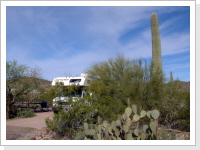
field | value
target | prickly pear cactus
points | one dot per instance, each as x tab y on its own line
153	127
142	114
155	114
149	114
136	118
85	125
125	128
128	111
134	108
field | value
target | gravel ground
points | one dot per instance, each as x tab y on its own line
37	121
27	128
17	132
35	129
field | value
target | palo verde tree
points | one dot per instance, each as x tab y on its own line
118	83
21	80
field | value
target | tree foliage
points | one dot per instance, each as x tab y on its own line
21	83
119	83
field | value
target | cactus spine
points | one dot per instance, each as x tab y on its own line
156	46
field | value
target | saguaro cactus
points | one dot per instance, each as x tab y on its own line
156	46
171	76
156	70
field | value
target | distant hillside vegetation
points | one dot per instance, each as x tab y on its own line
185	85
181	84
45	83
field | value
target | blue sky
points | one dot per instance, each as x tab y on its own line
66	40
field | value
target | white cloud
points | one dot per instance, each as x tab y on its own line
175	43
95	36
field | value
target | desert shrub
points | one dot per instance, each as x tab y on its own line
27	113
120	82
117	84
176	108
71	121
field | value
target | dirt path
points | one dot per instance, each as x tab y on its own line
16	132
19	128
37	122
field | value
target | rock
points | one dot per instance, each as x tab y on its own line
38	138
39	135
44	131
33	138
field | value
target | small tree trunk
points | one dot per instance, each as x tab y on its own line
10	99
7	112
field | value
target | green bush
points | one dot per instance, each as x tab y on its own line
118	83
63	123
27	113
71	122
176	108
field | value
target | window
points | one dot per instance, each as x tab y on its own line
75	80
